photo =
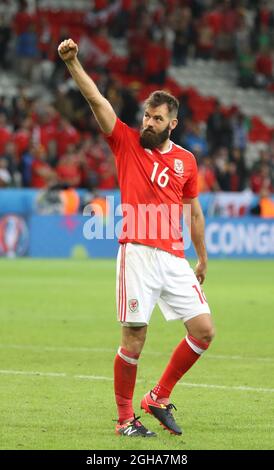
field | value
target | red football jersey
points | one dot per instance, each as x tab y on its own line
152	185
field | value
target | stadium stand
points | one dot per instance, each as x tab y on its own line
215	56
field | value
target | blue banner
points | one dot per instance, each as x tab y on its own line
62	237
243	237
94	234
56	236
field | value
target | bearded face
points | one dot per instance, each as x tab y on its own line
150	139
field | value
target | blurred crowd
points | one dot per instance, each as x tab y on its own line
46	143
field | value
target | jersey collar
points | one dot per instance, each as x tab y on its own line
169	148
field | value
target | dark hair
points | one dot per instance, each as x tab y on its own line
159	97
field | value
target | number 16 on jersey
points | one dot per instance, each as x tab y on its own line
162	178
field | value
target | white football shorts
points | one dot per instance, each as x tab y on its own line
146	276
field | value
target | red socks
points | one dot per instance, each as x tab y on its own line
184	356
125	370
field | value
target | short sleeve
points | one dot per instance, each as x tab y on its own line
117	140
190	189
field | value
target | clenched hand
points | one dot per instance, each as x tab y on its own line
67	50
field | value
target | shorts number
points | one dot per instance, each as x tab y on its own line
163	178
201	294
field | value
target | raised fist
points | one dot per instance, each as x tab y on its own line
67	50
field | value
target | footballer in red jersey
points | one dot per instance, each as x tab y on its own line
154	188
157	178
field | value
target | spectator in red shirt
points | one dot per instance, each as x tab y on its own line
137	42
264	67
107	171
94	153
214	19
66	135
42	175
22	136
5	133
261	179
100	39
207	180
68	169
46	119
22	18
156	61
205	40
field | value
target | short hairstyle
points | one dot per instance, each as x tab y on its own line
159	97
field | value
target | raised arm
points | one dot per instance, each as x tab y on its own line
100	106
197	230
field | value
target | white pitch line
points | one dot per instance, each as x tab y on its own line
55	348
109	350
240	388
96	377
33	373
228	387
240	358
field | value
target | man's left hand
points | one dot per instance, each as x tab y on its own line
200	271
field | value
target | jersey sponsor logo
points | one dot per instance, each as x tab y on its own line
133	305
178	167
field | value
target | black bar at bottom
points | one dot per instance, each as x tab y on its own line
118	459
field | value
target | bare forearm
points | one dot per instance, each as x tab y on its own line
100	106
85	84
197	230
198	236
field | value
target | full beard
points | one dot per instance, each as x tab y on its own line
151	140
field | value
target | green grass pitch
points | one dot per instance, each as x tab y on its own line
58	337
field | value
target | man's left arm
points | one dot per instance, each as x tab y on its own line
197	232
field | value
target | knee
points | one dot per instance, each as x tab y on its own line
134	339
201	328
205	335
208	335
138	340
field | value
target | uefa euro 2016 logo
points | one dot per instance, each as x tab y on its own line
14	236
